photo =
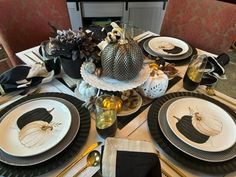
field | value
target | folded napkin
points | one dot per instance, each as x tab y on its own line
215	70
123	157
24	76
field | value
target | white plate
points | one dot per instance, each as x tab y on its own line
174	58
196	153
109	84
156	44
11	144
65	142
216	119
131	111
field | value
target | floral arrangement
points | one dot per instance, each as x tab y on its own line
71	44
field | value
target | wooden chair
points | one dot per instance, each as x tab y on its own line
206	24
24	23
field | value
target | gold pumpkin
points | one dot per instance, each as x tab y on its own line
113	102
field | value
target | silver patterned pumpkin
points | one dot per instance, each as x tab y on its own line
122	60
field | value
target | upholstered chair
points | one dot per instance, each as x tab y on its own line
206	24
24	23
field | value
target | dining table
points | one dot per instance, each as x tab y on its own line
136	129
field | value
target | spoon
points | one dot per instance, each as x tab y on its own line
93	159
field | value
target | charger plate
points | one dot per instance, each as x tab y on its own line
171	137
34	144
109	84
199	165
62	157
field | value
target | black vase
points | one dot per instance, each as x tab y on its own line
72	67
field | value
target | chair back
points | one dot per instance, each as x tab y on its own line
24	23
209	25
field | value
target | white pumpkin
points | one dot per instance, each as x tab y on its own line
155	86
86	90
35	133
207	124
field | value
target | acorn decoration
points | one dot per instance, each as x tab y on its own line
130	99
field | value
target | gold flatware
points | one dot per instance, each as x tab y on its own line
38	56
31	58
16	95
141	38
211	92
91	148
165	173
174	168
93	159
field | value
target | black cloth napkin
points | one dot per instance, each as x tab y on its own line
214	69
25	76
123	157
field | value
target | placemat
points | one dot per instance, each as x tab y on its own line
157	135
65	155
176	62
124	120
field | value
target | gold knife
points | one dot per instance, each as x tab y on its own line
173	167
92	147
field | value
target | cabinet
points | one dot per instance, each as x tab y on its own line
146	15
74	9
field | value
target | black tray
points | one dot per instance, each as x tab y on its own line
188	161
65	155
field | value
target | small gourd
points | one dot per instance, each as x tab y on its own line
86	90
155	86
113	102
90	67
35	133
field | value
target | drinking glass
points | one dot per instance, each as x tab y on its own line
105	116
194	73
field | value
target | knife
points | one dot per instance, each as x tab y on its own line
87	151
10	96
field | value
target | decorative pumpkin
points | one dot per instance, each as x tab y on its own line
206	124
122	60
155	86
113	102
86	90
34	115
90	67
35	133
186	128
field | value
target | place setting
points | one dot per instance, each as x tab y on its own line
45	129
170	49
174	123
